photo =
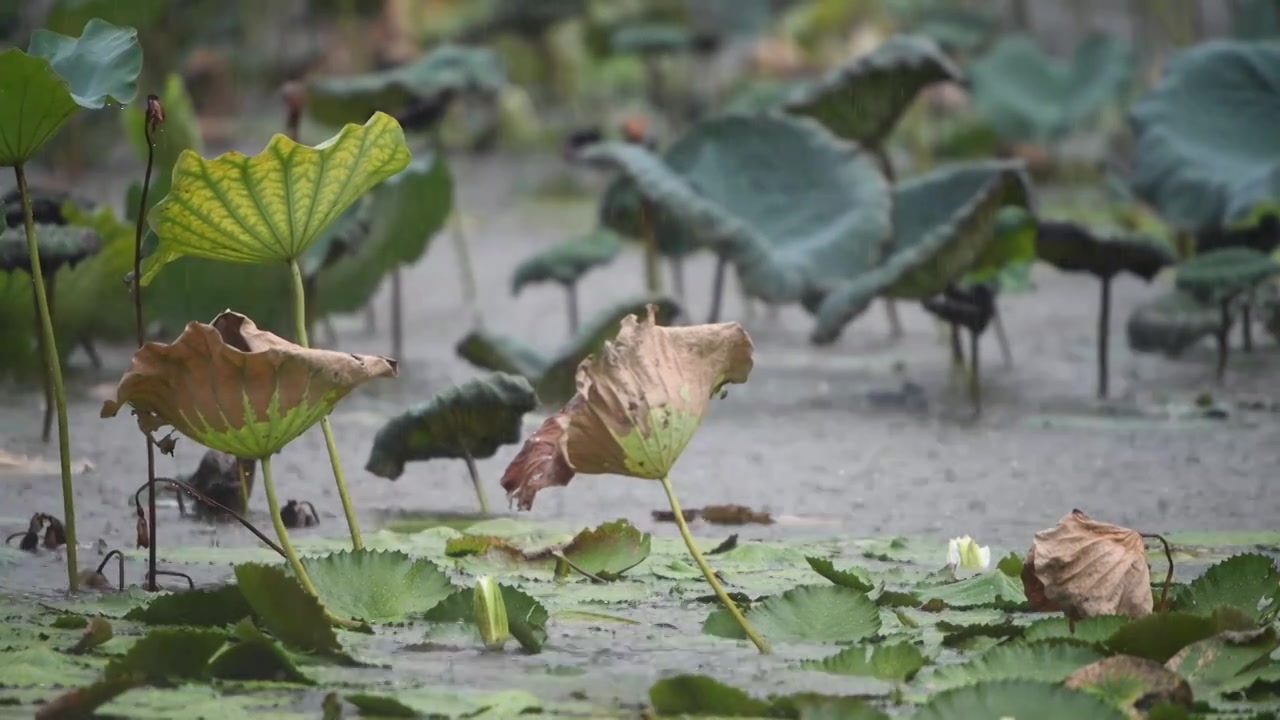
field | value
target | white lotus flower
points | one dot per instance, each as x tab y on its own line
965	553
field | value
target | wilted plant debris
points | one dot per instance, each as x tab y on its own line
719	515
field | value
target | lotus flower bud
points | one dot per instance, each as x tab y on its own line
491	613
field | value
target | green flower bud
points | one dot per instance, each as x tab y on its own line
491	613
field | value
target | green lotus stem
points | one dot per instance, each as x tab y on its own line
1104	332
975	380
300	322
652	279
54	368
463	248
891	312
709	574
397	315
475	480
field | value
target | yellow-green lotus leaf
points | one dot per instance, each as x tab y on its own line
645	393
232	387
269	207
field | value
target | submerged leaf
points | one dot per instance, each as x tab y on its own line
270	207
809	613
235	388
469	420
1093	568
377	585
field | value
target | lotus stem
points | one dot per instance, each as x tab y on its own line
46	426
273	506
119	556
1224	339
300	321
709	574
397	315
1246	326
475	480
140	329
243	483
957	350
717	288
895	324
571	293
54	367
677	276
463	248
183	487
652	280
1006	350
975	378
1104	333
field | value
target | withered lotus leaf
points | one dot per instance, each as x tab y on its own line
638	403
1092	568
233	387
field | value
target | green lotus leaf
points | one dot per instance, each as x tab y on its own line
795	209
1171	323
1204	155
1049	661
1072	247
270	207
1029	96
1220	275
863	99
1006	262
58	245
699	695
526	617
377	585
1220	663
943	223
1094	629
251	655
622	211
447	69
956	29
434	704
609	550
1250	583
1159	637
402	214
1017	699
568	261
651	39
471	420
994	588
897	662
168	654
232	387
809	613
1132	684
37	103
761	95
197	608
100	65
553	376
290	613
855	578
88	298
180	131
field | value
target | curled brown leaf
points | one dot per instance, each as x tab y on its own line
541	463
1091	568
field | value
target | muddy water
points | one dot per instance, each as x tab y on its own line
814	438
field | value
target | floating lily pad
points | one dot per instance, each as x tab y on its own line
270	207
1091	629
862	99
566	262
196	608
943	223
167	654
988	589
1205	156
284	608
795	209
609	550
446	69
700	695
1030	96
377	585
1220	663
1017	699
58	245
1049	661
1249	583
897	662
1171	323
810	613
1131	683
251	655
471	420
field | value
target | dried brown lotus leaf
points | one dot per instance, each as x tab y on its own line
233	387
541	462
1093	568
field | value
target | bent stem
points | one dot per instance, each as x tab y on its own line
710	575
150	584
300	324
54	366
475	480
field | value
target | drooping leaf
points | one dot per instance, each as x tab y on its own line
251	655
683	695
1072	247
624	211
1017	699
898	662
568	261
943	223
58	245
285	609
446	70
1222	274
609	550
168	654
238	389
99	66
1049	661
1171	323
377	585
1249	583
854	578
1204	155
795	209
502	354
404	214
196	608
1131	683
862	99
1218	663
469	420
1088	567
271	206
1029	96
809	613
